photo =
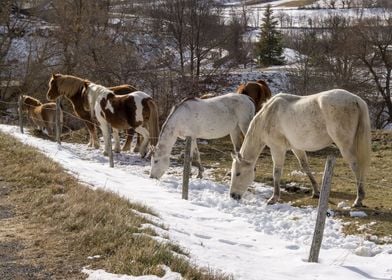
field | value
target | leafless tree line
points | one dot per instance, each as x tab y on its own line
354	54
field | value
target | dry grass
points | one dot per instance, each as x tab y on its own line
77	221
378	188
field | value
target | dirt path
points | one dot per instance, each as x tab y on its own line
27	250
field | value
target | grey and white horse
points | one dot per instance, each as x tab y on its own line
209	118
307	123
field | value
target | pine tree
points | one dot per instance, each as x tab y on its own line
269	49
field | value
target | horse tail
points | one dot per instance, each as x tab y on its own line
153	122
363	140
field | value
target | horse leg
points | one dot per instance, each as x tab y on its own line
236	138
127	146
93	135
278	156
196	162
350	156
143	146
138	143
303	162
116	138
105	134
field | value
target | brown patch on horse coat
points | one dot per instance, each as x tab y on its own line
258	91
124	116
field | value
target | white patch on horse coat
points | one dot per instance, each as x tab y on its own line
138	98
109	106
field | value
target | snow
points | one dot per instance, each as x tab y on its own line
247	239
103	275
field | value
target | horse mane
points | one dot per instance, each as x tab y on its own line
31	101
208	95
174	109
69	85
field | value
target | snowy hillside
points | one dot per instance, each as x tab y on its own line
247	239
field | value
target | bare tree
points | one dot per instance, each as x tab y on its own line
373	41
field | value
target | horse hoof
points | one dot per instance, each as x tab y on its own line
117	151
105	154
271	201
200	176
358	205
316	195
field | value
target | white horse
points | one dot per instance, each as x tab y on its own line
134	110
308	123
202	118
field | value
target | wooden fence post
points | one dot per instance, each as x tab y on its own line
20	108
109	145
187	168
59	124
322	209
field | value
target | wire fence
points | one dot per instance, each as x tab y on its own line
10	116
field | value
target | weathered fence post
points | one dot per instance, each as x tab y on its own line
187	168
109	145
59	124
20	108
322	209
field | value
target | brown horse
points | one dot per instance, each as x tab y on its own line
42	115
258	91
72	87
135	110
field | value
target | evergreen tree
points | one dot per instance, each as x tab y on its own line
269	49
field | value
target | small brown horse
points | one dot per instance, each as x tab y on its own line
72	88
42	115
258	91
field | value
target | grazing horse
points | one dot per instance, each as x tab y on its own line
135	110
305	123
42	115
71	87
258	91
209	118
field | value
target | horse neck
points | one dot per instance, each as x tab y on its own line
253	143
167	139
93	92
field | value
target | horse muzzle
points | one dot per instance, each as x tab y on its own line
235	196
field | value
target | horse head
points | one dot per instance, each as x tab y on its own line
242	175
29	102
53	91
159	163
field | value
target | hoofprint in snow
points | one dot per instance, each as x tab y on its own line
247	239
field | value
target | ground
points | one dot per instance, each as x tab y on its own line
27	249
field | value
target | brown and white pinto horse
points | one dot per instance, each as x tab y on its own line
71	87
42	115
136	110
258	91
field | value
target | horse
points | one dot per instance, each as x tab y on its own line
135	110
258	91
210	118
305	123
42	115
71	87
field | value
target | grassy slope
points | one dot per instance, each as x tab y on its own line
74	221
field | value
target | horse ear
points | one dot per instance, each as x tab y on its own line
236	156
